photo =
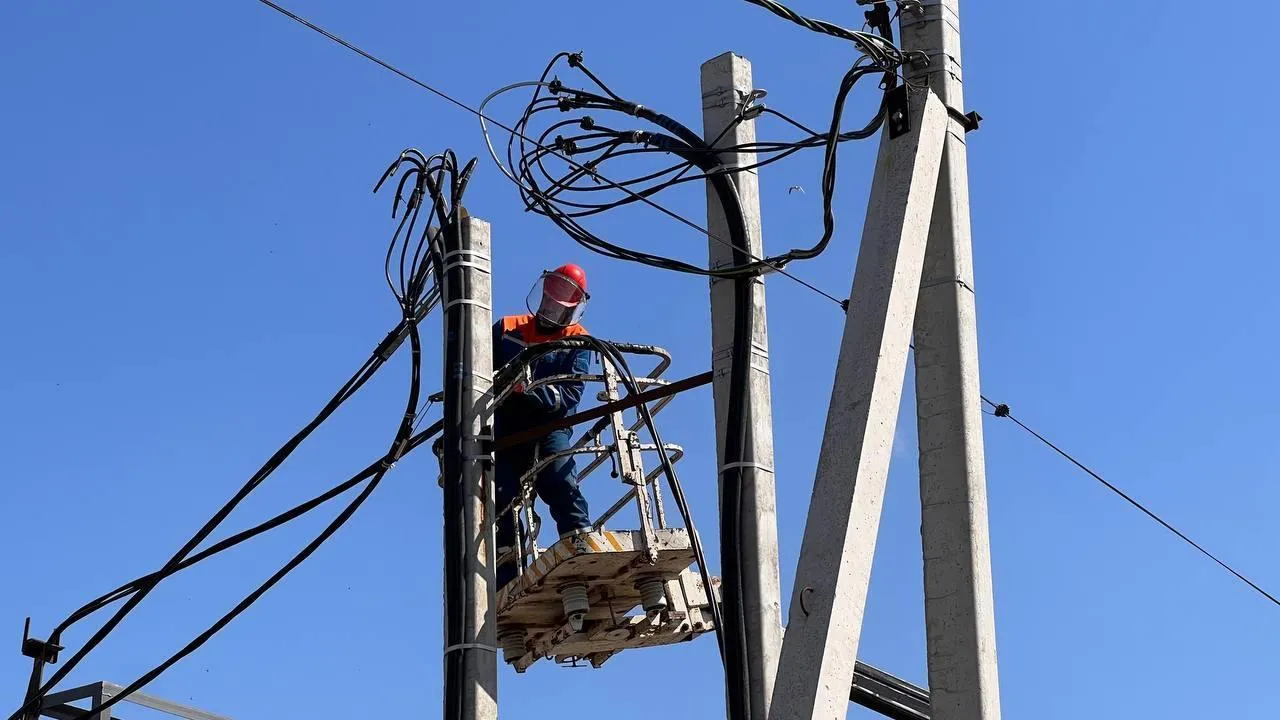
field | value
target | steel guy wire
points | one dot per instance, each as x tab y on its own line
1001	410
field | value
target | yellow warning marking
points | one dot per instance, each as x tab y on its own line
613	540
591	542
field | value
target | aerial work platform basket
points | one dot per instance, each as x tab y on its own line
574	603
592	595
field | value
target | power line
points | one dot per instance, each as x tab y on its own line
1001	410
460	104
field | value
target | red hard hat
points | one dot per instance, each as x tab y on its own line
574	273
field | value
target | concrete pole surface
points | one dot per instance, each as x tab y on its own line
827	602
473	297
959	603
726	81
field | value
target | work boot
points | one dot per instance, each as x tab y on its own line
585	529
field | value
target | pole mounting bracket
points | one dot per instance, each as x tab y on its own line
898	112
40	650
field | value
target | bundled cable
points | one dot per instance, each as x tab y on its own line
567	168
416	290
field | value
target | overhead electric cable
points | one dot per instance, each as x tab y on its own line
1001	410
484	118
415	298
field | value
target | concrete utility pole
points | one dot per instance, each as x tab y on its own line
914	273
470	656
726	82
834	572
959	603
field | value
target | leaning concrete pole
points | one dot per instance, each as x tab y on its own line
470	659
726	81
959	607
816	668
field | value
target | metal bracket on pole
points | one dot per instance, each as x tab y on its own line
820	648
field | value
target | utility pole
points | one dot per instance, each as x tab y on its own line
816	669
470	654
959	602
913	275
726	84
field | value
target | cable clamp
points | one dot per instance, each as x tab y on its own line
467	301
470	646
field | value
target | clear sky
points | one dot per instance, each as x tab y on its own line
190	263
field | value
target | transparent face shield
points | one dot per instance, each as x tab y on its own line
558	299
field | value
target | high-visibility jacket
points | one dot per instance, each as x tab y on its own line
513	334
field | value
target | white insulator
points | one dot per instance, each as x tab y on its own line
576	604
512	643
653	594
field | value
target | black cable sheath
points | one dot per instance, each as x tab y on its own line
413	309
454	530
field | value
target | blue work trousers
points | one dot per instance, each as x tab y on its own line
556	485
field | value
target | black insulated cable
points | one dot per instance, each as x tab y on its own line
582	190
413	295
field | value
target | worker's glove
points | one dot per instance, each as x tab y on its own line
518	388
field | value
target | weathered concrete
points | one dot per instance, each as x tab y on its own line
959	604
726	80
472	298
825	622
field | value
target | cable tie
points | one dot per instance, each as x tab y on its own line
473	253
467	301
470	646
484	268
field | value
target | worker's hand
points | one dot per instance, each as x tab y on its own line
518	387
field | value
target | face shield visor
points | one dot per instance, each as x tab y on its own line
559	301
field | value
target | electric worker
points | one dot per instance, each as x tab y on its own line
561	296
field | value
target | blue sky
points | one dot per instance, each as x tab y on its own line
190	263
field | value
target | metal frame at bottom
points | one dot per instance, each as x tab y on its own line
890	696
58	705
